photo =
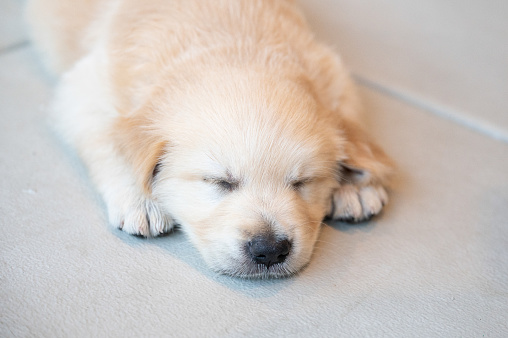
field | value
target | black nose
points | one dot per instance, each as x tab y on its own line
268	250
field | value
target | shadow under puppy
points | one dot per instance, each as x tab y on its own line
224	116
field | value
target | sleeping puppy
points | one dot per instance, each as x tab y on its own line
223	116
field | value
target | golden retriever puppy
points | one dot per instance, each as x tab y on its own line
225	117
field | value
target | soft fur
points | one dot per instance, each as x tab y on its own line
223	116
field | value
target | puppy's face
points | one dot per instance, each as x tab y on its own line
248	174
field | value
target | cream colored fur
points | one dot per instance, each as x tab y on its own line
224	116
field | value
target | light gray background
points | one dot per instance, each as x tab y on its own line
434	79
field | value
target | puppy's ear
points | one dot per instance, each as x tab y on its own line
142	147
365	162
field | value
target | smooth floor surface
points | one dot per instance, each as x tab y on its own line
433	264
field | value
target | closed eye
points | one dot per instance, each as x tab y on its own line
226	185
297	185
223	185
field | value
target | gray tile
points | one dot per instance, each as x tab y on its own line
452	54
12	27
435	263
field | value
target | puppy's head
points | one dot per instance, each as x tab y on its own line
248	171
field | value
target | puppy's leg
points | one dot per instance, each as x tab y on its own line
129	208
85	116
363	176
365	170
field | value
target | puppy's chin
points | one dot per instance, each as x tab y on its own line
258	271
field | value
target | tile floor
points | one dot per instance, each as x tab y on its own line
435	263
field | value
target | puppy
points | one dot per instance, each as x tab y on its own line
225	117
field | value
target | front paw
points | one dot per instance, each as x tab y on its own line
141	217
351	203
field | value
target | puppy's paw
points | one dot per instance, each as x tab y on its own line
142	217
351	203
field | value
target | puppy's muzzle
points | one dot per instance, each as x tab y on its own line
268	250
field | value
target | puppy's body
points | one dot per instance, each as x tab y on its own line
223	116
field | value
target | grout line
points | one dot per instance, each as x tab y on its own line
463	119
14	47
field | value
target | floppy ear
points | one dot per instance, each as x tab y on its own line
141	146
364	162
